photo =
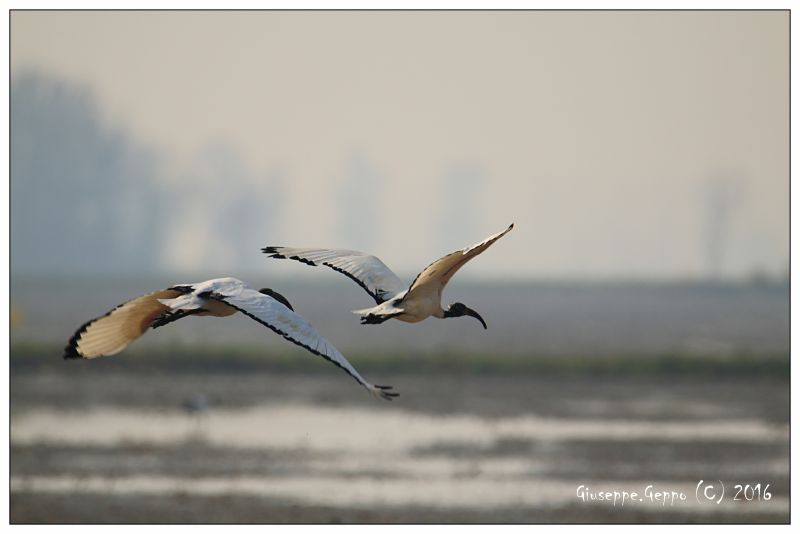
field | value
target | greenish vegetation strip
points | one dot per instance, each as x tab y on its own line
28	356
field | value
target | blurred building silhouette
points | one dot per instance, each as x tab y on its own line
79	187
722	196
88	198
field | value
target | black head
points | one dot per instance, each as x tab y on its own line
458	309
277	296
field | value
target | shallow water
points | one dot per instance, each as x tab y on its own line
359	430
337	454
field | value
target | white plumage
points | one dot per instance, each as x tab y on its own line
420	300
221	297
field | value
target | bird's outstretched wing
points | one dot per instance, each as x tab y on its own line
440	271
292	326
112	332
367	271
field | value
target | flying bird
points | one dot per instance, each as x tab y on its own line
221	297
420	300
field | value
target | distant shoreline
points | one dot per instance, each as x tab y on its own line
25	357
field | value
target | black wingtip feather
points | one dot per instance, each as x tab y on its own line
301	260
273	251
270	250
71	354
71	350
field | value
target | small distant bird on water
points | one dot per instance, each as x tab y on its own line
197	407
196	404
221	297
422	299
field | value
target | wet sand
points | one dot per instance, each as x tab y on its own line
95	447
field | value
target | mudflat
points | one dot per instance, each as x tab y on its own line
151	446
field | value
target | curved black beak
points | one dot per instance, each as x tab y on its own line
473	313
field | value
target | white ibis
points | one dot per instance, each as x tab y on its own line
422	299
221	297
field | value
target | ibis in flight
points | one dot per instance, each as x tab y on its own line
420	300
221	297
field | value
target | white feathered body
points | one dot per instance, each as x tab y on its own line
425	304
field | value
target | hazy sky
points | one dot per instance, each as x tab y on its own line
644	144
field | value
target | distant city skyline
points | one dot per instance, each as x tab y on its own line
618	150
